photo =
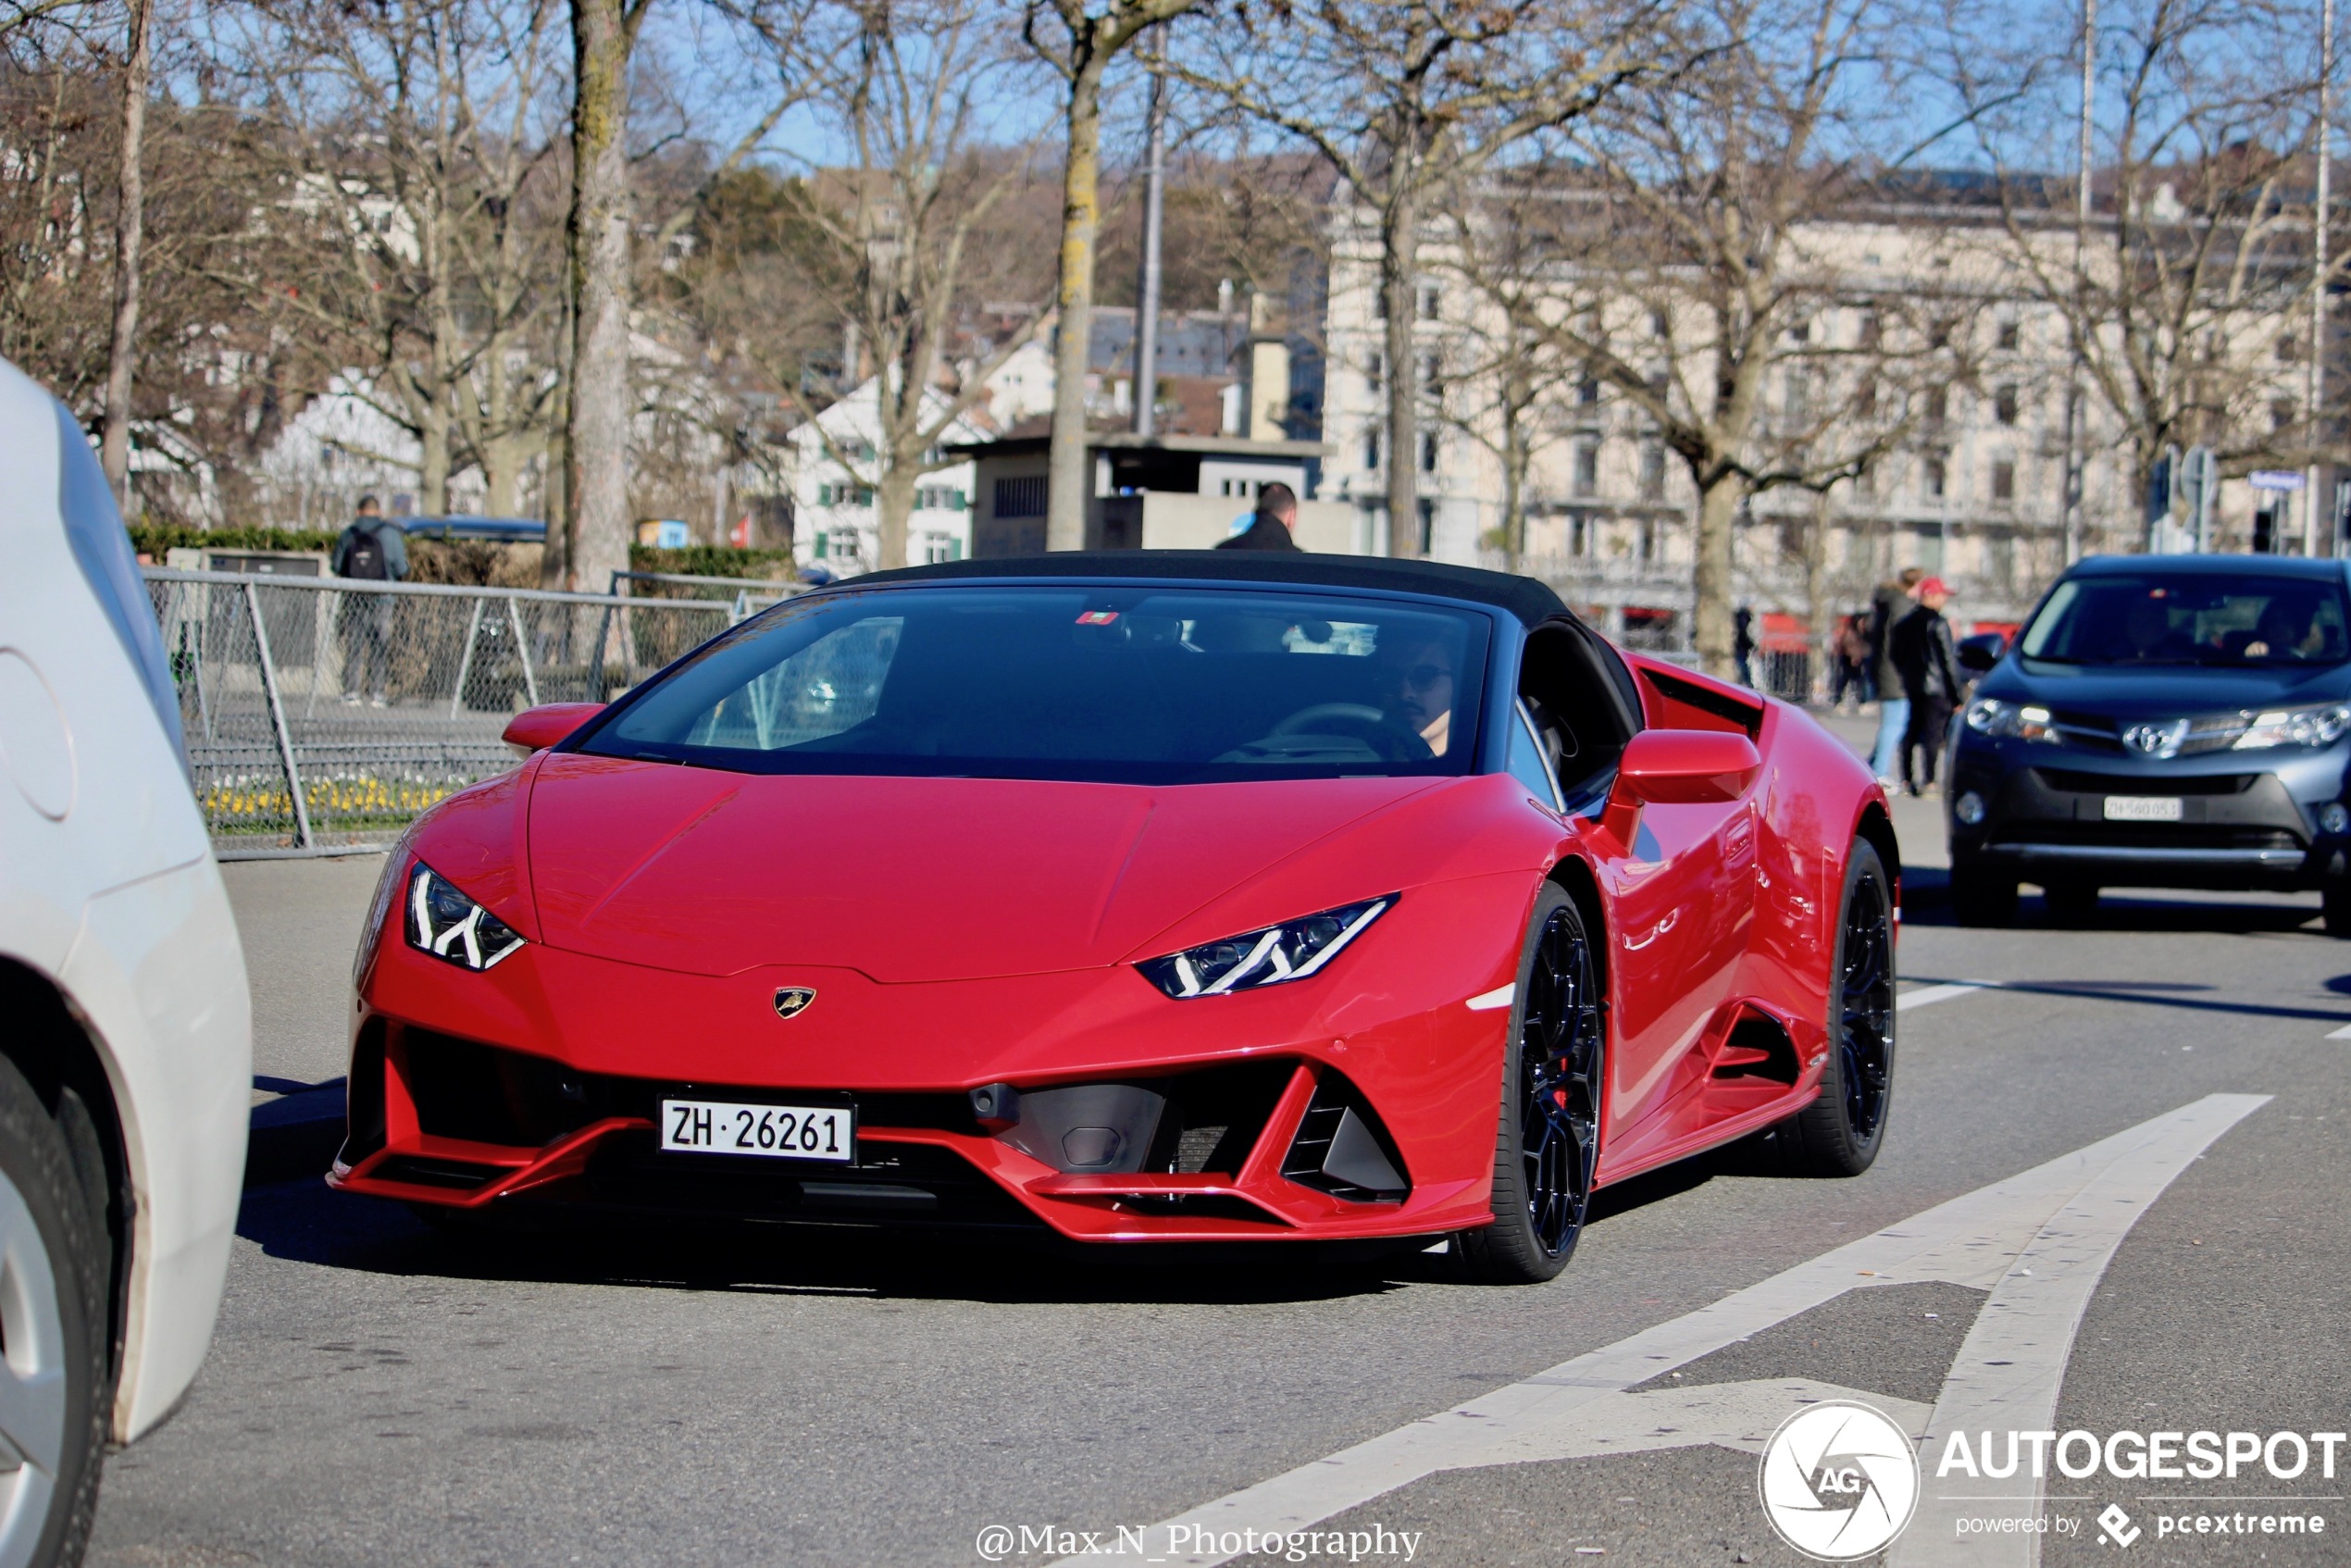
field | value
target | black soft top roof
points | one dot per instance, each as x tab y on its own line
1530	601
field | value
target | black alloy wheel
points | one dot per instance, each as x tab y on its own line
1548	1142
1839	1134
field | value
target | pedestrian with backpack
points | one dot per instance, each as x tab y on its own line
372	549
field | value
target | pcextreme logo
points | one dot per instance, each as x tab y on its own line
1839	1480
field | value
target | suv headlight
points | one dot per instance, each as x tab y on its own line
1290	951
1989	716
2301	727
446	924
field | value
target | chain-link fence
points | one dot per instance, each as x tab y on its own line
321	715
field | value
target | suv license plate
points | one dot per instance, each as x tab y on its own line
774	1132
2143	808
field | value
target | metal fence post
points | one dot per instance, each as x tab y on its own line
278	720
466	660
522	650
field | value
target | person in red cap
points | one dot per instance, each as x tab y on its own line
1922	654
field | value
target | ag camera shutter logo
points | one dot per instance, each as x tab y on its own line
1839	1480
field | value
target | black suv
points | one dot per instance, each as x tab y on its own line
2160	721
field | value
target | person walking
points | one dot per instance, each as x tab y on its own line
1923	652
372	549
1743	645
1887	606
1269	529
1848	653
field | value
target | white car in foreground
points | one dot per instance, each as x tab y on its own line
126	1050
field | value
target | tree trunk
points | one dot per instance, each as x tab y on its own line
114	452
1399	260
1816	598
1711	623
1515	462
1068	485
596	449
894	504
432	461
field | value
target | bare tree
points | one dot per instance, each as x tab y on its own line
131	210
1703	209
1411	98
2180	281
897	250
1081	43
408	141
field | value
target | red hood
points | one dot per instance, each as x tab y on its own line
906	879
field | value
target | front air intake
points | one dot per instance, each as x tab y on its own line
1341	1148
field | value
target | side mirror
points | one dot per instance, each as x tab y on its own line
1677	767
1686	766
1983	650
535	730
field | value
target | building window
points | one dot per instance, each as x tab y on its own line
1432	301
1654	471
2012	335
1935	477
1023	497
2290	348
1798	398
940	548
1587	468
2284	413
2004	403
1243	488
1865	483
1428	510
1588	390
1938	408
1370	447
1659	326
1579	535
1428	453
1873	329
2004	479
1432	372
1376	374
1865	398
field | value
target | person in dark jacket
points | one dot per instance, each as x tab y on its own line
372	549
1924	656
1887	606
1269	529
1743	645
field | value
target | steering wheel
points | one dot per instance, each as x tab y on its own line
1308	720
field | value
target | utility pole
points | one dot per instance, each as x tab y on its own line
2319	285
2073	480
1154	210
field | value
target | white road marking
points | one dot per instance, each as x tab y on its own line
1500	995
2007	1374
1927	996
2342	1033
1975	1240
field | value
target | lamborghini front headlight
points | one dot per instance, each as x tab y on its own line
1253	960
446	924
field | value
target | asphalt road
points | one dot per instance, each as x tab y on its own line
380	1393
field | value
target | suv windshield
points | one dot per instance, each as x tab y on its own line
2163	618
1116	685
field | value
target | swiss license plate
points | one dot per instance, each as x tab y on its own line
2143	808
774	1132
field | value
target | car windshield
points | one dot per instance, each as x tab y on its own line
1118	685
2184	619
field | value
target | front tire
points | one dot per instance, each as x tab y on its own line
1546	1146
53	1271
2070	904
1840	1133
2337	897
1982	898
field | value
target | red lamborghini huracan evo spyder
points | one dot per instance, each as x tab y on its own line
1145	896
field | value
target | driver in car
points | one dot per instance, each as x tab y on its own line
1416	689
